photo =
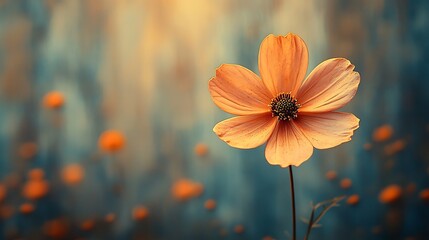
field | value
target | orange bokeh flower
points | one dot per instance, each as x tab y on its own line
331	175
111	141
87	225
36	174
57	228
390	194
26	208
35	189
185	189
72	174
239	229
3	192
353	199
394	147
140	213
53	100
346	183
6	211
291	114
424	195
201	149
382	133
210	204
110	217
27	150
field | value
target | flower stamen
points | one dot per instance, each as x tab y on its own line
285	107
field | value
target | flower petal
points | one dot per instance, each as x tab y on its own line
330	86
288	146
283	62
237	90
246	131
327	130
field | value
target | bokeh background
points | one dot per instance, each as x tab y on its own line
70	70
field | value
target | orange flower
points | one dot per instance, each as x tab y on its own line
239	229
27	150
390	194
353	199
394	147
87	225
26	208
3	192
110	217
36	174
140	213
291	114
72	174
111	141
382	133
53	100
6	211
201	149
331	175
424	195
346	183
184	189
35	189
210	204
57	228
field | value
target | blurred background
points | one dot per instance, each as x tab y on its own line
106	121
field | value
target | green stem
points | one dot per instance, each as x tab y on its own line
292	190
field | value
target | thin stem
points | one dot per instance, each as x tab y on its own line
292	190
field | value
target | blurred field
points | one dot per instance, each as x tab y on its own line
106	121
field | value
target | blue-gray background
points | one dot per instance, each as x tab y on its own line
142	67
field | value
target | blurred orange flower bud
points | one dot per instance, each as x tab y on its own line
345	183
382	133
27	150
111	141
140	213
3	192
185	189
36	174
353	199
35	189
210	204
331	175
53	100
201	149
390	194
26	208
424	195
57	228
72	174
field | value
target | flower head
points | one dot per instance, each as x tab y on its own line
111	141
53	100
281	108
72	174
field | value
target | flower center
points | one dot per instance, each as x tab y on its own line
284	106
